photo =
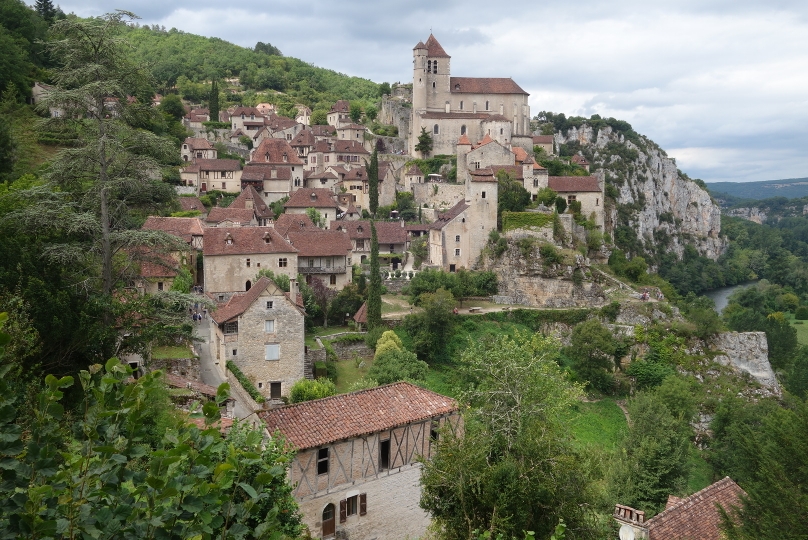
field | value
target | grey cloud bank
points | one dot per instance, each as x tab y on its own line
719	85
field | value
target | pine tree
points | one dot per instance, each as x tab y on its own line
45	10
373	183
213	101
374	313
424	143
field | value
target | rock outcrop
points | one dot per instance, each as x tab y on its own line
750	214
653	198
747	352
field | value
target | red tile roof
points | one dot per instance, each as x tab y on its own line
341	106
572	184
361	316
464	140
414	170
304	138
157	265
192	203
319	243
514	170
323	131
349	147
176	381
245	240
434	49
242	216
197	143
446	217
579	160
420	45
387	232
542	139
487	85
345	416
483	175
247	111
258	172
311	198
293	222
486	140
352	126
185	228
696	516
520	153
250	197
240	302
218	164
272	151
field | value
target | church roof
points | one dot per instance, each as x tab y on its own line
434	49
455	115
484	85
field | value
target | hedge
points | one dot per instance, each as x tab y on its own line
534	319
522	220
349	338
245	382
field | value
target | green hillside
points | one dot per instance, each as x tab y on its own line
790	188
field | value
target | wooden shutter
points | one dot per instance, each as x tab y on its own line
363	504
342	510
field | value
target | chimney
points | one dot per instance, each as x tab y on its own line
293	288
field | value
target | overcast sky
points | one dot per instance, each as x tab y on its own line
719	84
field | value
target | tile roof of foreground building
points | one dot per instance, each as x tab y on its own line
319	243
570	184
345	416
185	228
244	240
311	198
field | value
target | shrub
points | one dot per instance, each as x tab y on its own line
245	383
373	336
397	365
388	341
307	390
611	311
349	338
550	254
802	313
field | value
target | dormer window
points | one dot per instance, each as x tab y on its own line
267	238
313	196
228	240
285	157
266	156
242	116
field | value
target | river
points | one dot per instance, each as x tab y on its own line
721	295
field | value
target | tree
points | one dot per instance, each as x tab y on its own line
307	390
424	145
388	342
281	280
319	117
511	195
373	182
397	365
384	89
171	104
355	112
323	296
316	217
592	348
7	148
45	10
371	113
514	468
374	310
213	101
432	328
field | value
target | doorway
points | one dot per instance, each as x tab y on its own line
329	523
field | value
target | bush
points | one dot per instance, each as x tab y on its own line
611	311
550	254
245	383
521	220
802	313
397	365
372	337
388	342
307	390
349	338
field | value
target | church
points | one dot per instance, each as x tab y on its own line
449	107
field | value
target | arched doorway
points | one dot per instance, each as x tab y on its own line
247	285
329	521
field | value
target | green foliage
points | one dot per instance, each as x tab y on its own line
561	167
424	145
316	217
420	251
374	310
281	280
183	281
593	351
388	342
355	112
546	196
497	243
511	195
431	328
307	390
550	254
513	470
434	164
246	383
7	149
796	378
373	335
561	204
347	301
700	310
524	220
461	283
610	311
801	314
396	365
373	183
171	104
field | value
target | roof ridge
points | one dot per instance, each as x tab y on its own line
722	484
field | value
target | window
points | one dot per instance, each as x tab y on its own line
597	202
500	131
462	129
329	527
433	85
476	164
457	253
384	454
486	105
235	352
435	129
457	238
159	285
275	390
283	262
248	285
571	198
535	182
297	182
360	243
434	68
461	108
322	461
429	66
231	327
270	304
260	385
333	279
248	263
272	352
269	327
452	268
221	298
483	194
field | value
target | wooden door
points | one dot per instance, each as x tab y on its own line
329	521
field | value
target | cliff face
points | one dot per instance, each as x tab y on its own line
655	208
747	352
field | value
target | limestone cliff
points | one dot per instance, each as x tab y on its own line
747	352
651	205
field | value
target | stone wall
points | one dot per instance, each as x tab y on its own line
241	395
438	195
187	368
746	352
396	112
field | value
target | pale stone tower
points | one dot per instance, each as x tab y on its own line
481	196
419	54
430	78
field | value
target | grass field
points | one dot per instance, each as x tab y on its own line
348	373
169	351
802	331
319	331
601	423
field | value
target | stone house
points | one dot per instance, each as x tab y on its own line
355	182
486	153
230	217
302	143
282	168
356	472
412	175
352	132
189	204
581	161
250	199
197	148
544	142
696	516
326	179
262	332
213	174
196	117
340	114
235	255
338	152
293	222
391	235
326	255
588	190
303	115
448	107
247	119
321	200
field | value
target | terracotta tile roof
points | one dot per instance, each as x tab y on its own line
293	222
192	168
192	203
322	147
352	126
464	140
486	140
157	265
349	147
434	49
496	118
414	170
486	85
446	217
197	143
417	227
483	175
245	240
278	123
328	175
185	228
323	131
514	170
341	106
242	216
361	316
579	160
304	138
239	302
272	151
572	184
696	516
250	197
319	243
257	172
246	111
542	139
520	153
175	381
223	424
218	164
345	416
387	232
197	112
311	198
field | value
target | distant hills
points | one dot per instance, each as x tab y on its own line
734	192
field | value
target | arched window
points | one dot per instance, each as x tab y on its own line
329	522
435	67
463	130
429	66
435	129
247	285
433	85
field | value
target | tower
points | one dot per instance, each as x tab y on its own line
438	68
419	54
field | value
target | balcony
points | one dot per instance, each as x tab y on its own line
321	269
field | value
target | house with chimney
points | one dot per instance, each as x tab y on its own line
356	471
212	174
262	332
197	148
275	169
235	255
587	190
250	199
326	255
158	267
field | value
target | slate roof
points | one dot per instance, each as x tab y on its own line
434	48
448	216
572	184
237	215
246	240
293	222
696	516
484	85
387	232
315	242
259	207
271	150
185	228
311	198
192	203
345	416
